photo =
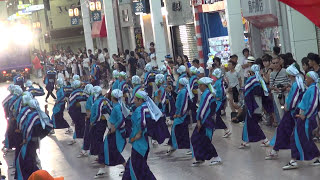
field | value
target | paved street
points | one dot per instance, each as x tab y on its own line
59	159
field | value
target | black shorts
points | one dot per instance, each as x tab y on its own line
235	94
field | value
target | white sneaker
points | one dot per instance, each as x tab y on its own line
189	153
71	142
52	132
227	133
197	163
265	143
155	144
316	162
95	161
69	131
271	156
216	161
82	154
244	145
101	173
170	151
291	165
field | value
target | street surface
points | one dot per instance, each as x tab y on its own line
60	159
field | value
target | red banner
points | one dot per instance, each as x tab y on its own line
309	8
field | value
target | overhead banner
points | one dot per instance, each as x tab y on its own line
309	8
139	6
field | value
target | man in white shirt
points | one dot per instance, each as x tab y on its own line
196	63
101	58
245	64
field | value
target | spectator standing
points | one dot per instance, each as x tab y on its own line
86	66
245	65
74	66
141	63
196	63
153	56
101	58
80	69
314	61
132	62
279	82
234	83
238	67
305	65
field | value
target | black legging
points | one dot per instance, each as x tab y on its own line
52	95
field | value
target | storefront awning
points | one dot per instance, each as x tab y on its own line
99	28
309	8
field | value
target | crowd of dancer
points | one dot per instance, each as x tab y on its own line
140	110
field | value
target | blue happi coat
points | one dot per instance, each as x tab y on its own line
220	93
36	91
183	75
139	120
204	112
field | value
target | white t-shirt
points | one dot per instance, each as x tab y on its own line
101	58
245	71
152	61
86	62
201	70
233	78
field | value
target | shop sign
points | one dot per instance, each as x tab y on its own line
139	6
261	13
138	38
256	7
202	2
23	6
96	15
74	21
35	8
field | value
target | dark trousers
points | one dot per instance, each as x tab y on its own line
52	95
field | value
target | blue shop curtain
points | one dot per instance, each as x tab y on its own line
211	26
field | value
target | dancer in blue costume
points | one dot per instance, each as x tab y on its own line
49	81
220	99
19	80
34	91
136	82
136	166
180	132
116	82
77	110
303	147
123	86
59	122
5	105
182	71
115	140
158	130
57	116
34	125
12	106
86	138
149	78
194	88
95	73
202	148
281	139
100	112
255	88
16	135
